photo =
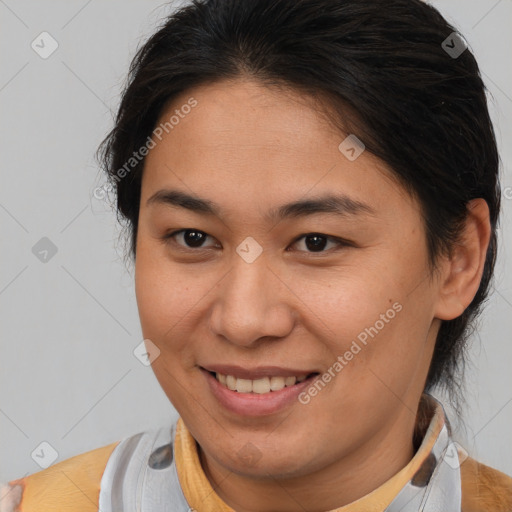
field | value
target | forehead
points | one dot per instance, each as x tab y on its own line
243	114
245	139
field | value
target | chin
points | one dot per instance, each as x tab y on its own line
263	459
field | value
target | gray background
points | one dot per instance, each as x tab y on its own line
70	324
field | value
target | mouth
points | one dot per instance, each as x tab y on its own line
259	386
262	395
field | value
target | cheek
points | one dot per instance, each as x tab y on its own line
347	304
166	300
164	294
372	320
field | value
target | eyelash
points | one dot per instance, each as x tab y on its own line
170	238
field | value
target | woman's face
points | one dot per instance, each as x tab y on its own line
299	260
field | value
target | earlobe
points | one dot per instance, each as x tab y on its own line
462	270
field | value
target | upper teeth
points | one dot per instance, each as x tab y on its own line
260	386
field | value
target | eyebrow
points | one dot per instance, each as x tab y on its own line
336	204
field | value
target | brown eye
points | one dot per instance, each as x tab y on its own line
188	238
317	242
194	238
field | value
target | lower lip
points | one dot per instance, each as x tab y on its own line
254	404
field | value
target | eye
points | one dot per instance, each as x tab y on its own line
188	238
317	242
191	238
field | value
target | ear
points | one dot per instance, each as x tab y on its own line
462	271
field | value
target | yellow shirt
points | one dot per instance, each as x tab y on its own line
74	485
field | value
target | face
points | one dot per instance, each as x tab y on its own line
264	253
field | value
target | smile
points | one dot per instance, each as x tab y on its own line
260	395
258	386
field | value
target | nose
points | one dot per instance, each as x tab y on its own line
252	303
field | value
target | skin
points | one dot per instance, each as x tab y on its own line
249	149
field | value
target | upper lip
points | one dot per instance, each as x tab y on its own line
257	372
